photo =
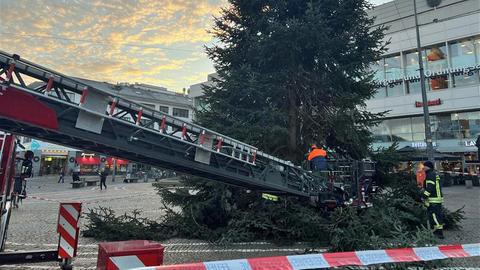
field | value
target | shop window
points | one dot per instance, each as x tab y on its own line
393	68
378	70
477	49
395	89
444	127
462	57
383	133
400	129
381	92
437	63
180	112
469	123
413	86
411	64
418	128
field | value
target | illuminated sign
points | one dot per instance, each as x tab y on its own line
469	143
434	102
422	144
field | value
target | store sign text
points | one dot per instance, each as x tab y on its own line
434	102
467	71
470	143
422	144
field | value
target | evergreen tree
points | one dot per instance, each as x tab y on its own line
294	72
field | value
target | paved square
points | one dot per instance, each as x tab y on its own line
33	225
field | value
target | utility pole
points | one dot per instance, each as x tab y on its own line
114	172
426	115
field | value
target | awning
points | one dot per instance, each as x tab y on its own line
119	161
88	160
411	154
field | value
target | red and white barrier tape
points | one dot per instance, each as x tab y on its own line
325	260
460	173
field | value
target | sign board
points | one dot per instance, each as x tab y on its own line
422	144
434	102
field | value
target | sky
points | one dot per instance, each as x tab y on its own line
159	42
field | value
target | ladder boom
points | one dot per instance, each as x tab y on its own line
104	122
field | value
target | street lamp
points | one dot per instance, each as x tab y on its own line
426	115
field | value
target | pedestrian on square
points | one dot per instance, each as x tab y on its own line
433	198
477	144
420	175
62	175
103	178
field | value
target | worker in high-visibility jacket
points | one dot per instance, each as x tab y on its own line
432	192
317	157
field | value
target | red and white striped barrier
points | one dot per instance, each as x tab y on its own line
338	259
68	229
122	255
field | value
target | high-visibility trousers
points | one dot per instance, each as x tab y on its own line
435	215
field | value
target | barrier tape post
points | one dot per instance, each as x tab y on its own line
68	230
338	259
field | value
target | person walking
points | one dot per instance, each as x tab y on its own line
103	179
62	175
317	157
76	173
477	144
433	198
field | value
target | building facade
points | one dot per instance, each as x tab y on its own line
195	92
52	159
450	40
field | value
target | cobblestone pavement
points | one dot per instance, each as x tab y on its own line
33	225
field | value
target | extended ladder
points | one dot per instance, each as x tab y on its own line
103	122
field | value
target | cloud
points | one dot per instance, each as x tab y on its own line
157	42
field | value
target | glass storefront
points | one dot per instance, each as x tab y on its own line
437	62
447	65
52	164
445	126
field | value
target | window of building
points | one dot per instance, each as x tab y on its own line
180	112
395	89
393	68
381	133
462	55
411	64
418	128
146	105
469	123
411	68
436	65
477	49
377	68
413	87
163	109
400	129
381	92
444	127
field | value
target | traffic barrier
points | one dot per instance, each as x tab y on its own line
68	229
129	254
338	259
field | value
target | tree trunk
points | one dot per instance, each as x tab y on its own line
292	125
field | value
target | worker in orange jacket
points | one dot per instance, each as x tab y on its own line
317	158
